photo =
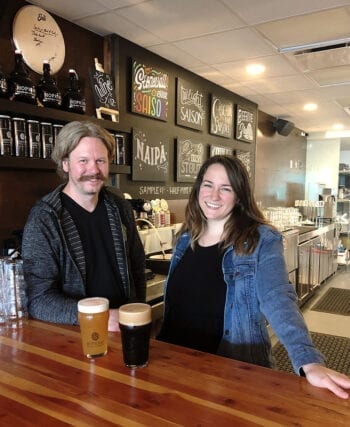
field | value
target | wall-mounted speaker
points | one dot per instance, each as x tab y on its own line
283	127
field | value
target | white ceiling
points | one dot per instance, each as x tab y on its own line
217	39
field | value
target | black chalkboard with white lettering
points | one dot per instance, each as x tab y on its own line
103	90
191	105
221	117
189	159
150	156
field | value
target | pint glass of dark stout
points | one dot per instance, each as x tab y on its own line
93	314
135	321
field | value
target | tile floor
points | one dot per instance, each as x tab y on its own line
324	322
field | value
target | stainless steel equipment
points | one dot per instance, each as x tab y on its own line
290	244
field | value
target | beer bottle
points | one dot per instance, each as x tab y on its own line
20	86
47	91
3	84
73	100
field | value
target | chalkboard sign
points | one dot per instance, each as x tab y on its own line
150	156
150	90
221	117
245	158
245	124
191	103
103	90
218	150
189	159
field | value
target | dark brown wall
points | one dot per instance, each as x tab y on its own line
20	189
276	182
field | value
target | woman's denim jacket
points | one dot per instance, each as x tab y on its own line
258	291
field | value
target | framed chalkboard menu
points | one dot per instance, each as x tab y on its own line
150	91
103	90
219	150
189	158
150	156
221	116
246	158
245	129
191	103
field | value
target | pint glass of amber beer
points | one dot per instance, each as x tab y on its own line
135	321
93	316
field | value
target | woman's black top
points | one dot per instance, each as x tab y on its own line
195	301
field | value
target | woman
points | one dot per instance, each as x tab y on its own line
228	276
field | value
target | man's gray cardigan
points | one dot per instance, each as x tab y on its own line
54	262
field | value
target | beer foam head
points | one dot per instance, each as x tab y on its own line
135	314
93	305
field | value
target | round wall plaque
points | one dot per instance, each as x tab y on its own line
38	36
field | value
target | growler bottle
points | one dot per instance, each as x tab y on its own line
20	86
3	84
46	90
73	100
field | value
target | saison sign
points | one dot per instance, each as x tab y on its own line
150	91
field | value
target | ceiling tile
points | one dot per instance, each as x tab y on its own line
258	11
226	46
112	23
280	84
276	65
176	55
316	27
181	19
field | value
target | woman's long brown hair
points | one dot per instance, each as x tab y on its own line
241	229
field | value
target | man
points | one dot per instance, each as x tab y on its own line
80	240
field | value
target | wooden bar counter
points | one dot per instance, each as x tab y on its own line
45	380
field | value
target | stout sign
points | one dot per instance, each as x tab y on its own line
149	91
150	156
190	105
190	156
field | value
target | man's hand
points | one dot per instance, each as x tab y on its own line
113	321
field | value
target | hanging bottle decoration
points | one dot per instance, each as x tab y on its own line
47	91
20	86
3	84
73	99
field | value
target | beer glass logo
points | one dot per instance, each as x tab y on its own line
95	336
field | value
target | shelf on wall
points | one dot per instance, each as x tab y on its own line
22	109
25	110
48	165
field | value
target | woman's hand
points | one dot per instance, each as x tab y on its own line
320	376
113	321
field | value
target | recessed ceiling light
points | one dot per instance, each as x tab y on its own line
255	69
310	107
338	126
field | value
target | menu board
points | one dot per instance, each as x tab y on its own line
150	91
219	150
221	117
190	105
245	124
245	158
103	89
150	156
189	159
